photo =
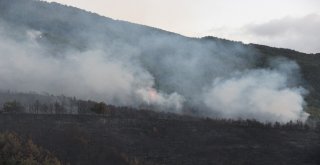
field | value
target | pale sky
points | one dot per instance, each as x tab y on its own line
292	24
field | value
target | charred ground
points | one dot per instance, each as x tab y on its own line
127	136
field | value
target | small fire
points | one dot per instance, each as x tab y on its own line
152	94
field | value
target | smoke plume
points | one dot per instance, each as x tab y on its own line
261	94
91	57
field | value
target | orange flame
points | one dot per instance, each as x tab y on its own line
152	94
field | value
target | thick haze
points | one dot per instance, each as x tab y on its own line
63	50
236	20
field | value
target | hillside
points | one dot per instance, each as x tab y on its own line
93	90
140	66
146	138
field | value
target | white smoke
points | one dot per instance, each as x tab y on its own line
172	102
92	74
261	94
78	54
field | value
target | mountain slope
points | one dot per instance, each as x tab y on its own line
141	66
146	139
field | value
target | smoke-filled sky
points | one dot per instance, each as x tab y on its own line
281	23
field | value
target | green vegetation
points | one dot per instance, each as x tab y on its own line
314	112
15	151
100	108
12	106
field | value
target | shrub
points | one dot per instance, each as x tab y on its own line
14	151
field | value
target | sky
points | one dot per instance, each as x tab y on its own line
293	24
